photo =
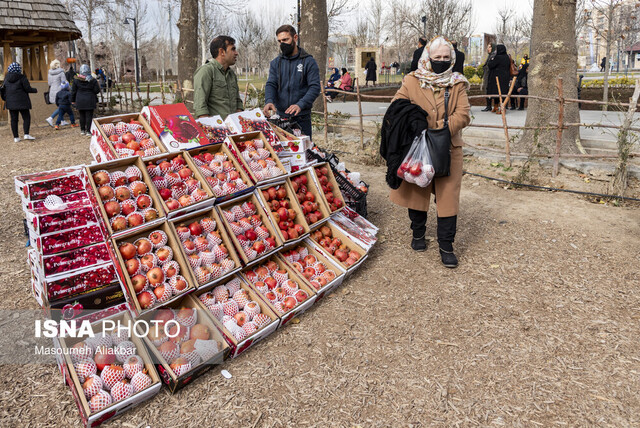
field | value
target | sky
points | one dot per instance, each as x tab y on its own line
485	11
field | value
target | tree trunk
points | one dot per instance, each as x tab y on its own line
554	54
203	40
605	91
90	43
314	33
188	44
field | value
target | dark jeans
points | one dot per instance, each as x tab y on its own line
26	121
304	122
86	116
66	109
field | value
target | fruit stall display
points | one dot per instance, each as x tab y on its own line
326	181
154	270
339	246
242	316
314	207
245	122
181	186
281	204
207	247
193	345
249	228
222	171
108	372
126	196
257	157
124	136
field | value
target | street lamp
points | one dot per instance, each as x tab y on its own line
135	41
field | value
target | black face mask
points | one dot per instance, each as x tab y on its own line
287	49
440	67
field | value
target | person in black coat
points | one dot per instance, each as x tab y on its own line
85	97
521	87
372	74
500	67
15	92
63	101
422	42
459	65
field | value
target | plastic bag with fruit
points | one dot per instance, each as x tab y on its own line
417	167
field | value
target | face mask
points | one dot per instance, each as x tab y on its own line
440	67
286	48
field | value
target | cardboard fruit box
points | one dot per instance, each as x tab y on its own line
116	168
39	185
175	126
297	254
248	338
225	209
291	274
266	197
233	141
102	147
180	201
331	185
72	215
92	418
250	121
337	232
220	191
202	355
59	242
318	198
71	261
214	128
176	255
211	213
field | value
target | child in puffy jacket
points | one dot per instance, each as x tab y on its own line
63	101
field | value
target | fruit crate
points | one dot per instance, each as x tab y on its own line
70	261
59	182
214	128
254	277
117	169
60	242
299	252
102	147
250	121
234	141
232	224
223	237
91	414
175	126
197	155
184	198
337	233
323	170
295	184
239	342
267	199
175	285
72	215
200	355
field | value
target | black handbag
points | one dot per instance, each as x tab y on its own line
439	143
46	96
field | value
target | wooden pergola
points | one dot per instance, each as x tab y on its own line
34	26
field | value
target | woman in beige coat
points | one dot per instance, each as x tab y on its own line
426	87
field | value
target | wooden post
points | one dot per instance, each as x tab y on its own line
360	113
503	113
556	155
44	66
148	95
51	53
6	51
133	106
33	61
323	94
26	70
126	101
246	90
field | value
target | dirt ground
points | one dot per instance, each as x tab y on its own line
538	326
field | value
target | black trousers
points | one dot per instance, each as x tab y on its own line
523	91
26	121
86	116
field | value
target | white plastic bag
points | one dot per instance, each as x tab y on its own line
416	167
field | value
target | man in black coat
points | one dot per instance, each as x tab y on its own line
15	92
500	67
422	42
459	65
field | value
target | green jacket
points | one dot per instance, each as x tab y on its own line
216	90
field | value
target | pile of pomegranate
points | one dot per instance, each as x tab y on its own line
155	275
317	273
330	193
125	197
176	183
220	172
206	253
247	226
273	282
231	304
259	159
335	246
130	139
282	212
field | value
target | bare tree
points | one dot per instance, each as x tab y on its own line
247	30
506	14
513	31
451	18
361	35
336	9
399	21
376	16
88	12
188	42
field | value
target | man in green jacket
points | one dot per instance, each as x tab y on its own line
215	84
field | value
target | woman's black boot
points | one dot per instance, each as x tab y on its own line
446	236
418	228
